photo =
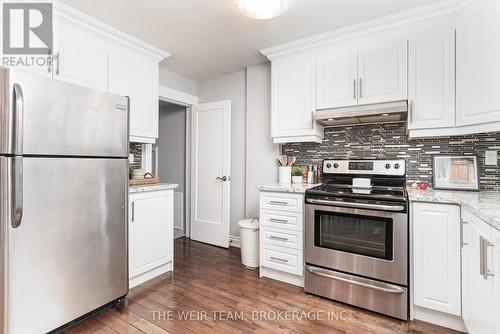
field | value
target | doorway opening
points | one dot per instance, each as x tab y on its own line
169	157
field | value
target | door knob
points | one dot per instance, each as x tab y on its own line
223	178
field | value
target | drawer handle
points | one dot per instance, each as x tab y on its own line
278	259
278	202
278	238
275	220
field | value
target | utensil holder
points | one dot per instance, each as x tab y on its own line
285	174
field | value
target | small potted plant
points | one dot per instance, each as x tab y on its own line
297	174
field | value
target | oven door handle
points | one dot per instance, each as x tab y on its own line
356	205
363	282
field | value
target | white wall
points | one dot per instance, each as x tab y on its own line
178	82
171	145
261	152
232	87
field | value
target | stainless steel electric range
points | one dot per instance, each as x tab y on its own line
356	235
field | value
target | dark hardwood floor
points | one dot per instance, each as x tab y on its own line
210	285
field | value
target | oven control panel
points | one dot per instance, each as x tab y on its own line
369	167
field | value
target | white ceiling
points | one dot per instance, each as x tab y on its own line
208	38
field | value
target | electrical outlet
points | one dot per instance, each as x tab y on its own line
491	158
131	158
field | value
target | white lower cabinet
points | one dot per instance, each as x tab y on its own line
496	280
456	269
151	217
281	237
480	275
436	269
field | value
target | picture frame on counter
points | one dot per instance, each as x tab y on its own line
455	172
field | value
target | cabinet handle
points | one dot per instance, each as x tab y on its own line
274	220
487	272
133	212
278	238
278	202
278	259
50	59
360	87
57	57
354	89
481	256
462	233
411	111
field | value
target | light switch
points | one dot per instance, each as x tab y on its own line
131	158
491	158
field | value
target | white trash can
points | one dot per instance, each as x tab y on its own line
249	242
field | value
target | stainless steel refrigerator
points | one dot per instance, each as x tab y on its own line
63	201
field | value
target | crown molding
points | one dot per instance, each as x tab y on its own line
439	10
74	17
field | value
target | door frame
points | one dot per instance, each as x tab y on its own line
187	100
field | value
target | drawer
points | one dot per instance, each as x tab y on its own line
281	219
281	237
282	201
281	258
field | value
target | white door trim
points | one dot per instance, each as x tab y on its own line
178	97
211	230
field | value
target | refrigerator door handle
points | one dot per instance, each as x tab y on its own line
18	120
17	191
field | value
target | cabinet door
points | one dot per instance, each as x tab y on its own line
382	71
478	68
431	92
336	78
136	77
478	290
150	231
81	58
495	263
436	254
293	97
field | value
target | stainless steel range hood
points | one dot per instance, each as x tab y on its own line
391	112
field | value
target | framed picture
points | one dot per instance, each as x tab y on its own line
455	172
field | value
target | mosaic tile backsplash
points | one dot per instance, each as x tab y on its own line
136	150
389	141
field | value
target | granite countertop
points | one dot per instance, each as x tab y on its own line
152	187
287	187
483	204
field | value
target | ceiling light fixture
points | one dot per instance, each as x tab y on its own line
263	9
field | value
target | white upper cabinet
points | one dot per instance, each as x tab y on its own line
136	76
336	78
478	65
293	96
80	58
436	257
382	71
94	55
431	91
375	72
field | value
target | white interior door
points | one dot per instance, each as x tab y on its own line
210	172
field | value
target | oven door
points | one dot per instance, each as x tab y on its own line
369	243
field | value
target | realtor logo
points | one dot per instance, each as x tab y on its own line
27	28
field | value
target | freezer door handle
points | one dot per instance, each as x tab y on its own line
18	120
17	191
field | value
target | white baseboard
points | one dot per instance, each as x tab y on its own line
234	241
439	318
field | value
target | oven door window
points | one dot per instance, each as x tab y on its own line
364	235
